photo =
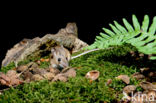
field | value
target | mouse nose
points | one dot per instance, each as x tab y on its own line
57	66
64	64
60	67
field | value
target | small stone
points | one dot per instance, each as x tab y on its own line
37	77
138	76
124	78
60	77
129	89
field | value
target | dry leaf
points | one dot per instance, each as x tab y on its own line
44	60
60	77
93	75
109	81
37	77
70	73
124	78
10	79
129	89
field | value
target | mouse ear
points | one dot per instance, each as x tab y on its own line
52	50
62	46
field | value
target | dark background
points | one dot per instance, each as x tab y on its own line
29	21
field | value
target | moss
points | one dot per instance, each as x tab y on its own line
26	61
111	63
44	64
79	52
5	69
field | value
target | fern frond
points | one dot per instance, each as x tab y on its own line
145	23
121	28
136	23
128	26
142	36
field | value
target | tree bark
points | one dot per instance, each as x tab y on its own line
39	47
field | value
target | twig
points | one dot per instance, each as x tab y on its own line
28	67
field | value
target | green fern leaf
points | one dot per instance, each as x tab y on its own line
140	37
153	58
128	26
152	29
105	36
145	23
109	32
135	23
121	28
115	29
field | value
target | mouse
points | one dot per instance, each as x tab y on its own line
60	57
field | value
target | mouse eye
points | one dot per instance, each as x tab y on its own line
59	59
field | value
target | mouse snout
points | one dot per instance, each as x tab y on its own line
61	65
64	64
57	66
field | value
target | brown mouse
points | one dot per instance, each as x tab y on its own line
60	57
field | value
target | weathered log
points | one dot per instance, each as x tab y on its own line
38	47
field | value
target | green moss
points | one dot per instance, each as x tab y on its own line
12	65
5	69
26	61
79	52
44	64
111	63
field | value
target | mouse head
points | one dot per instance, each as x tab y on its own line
60	57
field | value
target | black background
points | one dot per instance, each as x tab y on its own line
28	20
